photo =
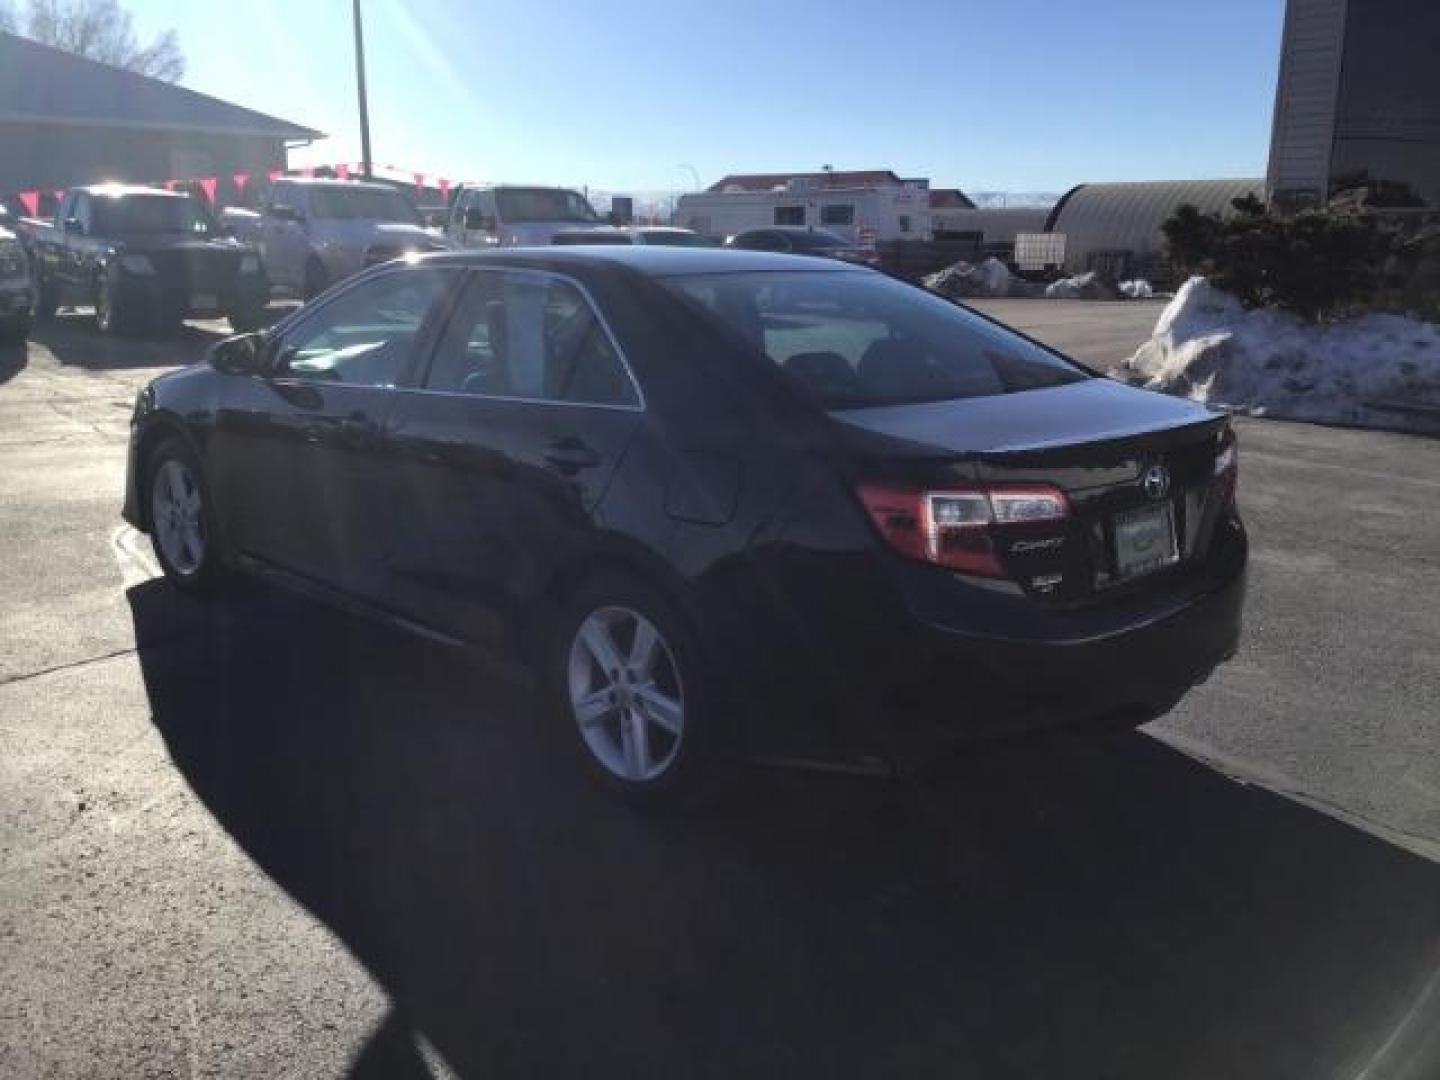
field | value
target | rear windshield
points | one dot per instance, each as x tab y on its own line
677	238
855	340
816	238
123	214
360	204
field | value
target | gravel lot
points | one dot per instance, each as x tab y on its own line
260	839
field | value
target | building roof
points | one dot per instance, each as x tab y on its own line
950	198
1128	216
834	179
41	85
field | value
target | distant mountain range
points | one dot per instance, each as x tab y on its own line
1012	199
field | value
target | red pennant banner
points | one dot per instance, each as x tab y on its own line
169	185
275	174
342	172
59	194
307	171
207	185
419	183
240	179
444	190
31	201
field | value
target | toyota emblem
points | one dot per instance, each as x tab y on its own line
1156	481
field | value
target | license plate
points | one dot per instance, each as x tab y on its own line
1145	540
204	301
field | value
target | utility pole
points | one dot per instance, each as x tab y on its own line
360	85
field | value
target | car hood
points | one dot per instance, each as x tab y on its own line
362	234
532	233
156	243
1091	411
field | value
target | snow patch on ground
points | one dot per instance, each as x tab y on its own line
1379	370
991	278
1088	286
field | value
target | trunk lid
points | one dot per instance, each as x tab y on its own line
1138	469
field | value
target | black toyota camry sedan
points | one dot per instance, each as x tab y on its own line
721	503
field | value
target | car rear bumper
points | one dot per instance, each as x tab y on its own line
1125	664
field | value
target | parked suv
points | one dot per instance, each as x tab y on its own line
17	294
511	216
144	257
313	233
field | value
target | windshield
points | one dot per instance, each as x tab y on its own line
357	204
121	214
543	204
853	340
676	238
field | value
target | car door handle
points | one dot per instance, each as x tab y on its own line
570	455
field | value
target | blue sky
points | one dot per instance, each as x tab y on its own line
1019	95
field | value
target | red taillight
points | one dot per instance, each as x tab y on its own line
951	528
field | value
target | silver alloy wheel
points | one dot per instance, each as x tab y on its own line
176	517
625	693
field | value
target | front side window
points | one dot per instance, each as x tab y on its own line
838	214
854	340
530	336
789	215
364	336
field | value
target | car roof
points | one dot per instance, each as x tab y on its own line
334	181
794	230
654	261
111	191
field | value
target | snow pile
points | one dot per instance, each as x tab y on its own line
1378	370
1139	289
991	278
1081	287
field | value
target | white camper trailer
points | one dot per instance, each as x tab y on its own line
861	215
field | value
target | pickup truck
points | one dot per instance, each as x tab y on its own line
17	294
506	215
312	233
144	256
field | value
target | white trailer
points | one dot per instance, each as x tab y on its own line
860	214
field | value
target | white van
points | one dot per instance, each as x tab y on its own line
506	215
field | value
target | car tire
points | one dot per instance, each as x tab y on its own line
14	331
316	279
631	693
47	301
181	518
247	321
112	316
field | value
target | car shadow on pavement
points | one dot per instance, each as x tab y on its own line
1060	907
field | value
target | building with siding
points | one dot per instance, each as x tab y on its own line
66	120
1357	105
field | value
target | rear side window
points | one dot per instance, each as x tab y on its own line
530	336
855	340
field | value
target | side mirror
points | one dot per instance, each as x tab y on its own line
243	355
75	225
477	219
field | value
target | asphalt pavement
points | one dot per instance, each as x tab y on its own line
258	838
